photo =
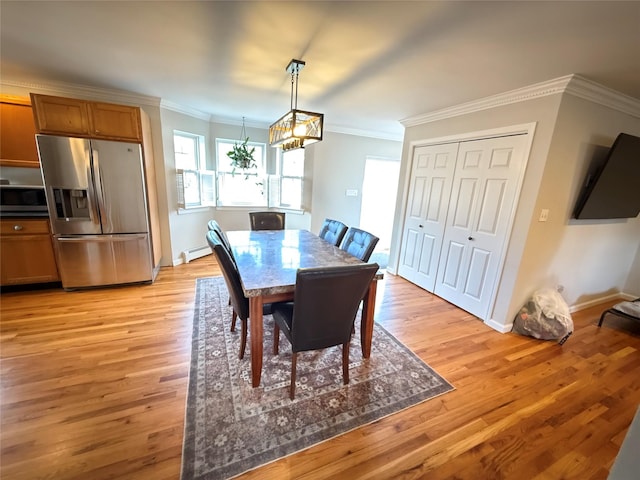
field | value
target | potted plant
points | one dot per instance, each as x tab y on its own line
241	156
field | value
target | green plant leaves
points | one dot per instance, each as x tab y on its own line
242	157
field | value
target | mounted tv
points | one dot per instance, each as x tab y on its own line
613	191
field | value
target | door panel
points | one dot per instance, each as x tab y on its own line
453	263
120	186
484	186
427	204
475	279
71	197
86	261
491	205
464	203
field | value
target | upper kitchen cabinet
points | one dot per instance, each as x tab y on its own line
17	133
70	116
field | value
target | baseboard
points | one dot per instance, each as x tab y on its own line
502	328
596	301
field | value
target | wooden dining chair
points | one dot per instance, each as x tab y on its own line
323	312
333	231
239	302
267	220
359	243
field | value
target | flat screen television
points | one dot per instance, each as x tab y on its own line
613	191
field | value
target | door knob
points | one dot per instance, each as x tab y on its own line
471	238
420	226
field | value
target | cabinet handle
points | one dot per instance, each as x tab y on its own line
17	228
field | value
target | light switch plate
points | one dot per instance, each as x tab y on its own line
544	215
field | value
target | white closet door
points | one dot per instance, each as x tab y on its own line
485	185
431	178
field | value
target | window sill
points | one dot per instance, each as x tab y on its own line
186	211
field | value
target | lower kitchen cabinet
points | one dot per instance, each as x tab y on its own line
26	252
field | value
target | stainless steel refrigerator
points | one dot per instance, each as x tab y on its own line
97	205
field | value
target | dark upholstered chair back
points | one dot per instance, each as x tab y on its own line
359	243
267	220
231	276
325	305
213	226
333	231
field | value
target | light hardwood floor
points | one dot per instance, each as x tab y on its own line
94	386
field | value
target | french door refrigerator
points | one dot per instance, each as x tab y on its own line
96	198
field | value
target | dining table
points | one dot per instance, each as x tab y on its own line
268	261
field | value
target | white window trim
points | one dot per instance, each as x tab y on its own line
260	174
201	172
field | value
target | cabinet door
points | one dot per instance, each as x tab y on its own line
17	134
57	115
115	122
27	254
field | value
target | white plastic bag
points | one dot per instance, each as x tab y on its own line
545	316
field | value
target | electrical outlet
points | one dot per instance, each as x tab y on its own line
544	215
352	193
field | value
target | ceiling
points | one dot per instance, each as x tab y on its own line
369	64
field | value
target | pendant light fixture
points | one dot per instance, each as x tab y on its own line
296	128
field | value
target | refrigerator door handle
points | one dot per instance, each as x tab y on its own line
103	238
97	175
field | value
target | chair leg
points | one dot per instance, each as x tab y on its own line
276	338
602	317
292	388
234	316
345	362
243	338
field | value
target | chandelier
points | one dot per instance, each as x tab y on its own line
296	128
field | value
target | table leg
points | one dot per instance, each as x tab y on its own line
366	327
255	324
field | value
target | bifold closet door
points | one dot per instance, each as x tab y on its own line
483	201
429	190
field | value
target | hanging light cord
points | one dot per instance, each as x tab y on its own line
243	132
294	79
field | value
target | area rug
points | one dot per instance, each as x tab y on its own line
231	427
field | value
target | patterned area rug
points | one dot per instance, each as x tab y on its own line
231	427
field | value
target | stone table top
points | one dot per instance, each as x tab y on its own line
268	260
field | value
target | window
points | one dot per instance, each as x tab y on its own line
196	186
291	169
241	188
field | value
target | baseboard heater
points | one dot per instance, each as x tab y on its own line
194	253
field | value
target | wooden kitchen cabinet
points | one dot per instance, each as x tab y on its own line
82	118
17	133
26	252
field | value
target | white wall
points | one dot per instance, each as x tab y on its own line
338	164
632	285
542	254
592	259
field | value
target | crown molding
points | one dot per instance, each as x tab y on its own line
238	122
191	112
93	93
589	90
571	84
396	137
